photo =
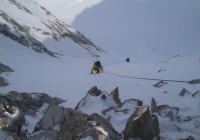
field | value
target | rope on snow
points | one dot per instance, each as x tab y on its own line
194	81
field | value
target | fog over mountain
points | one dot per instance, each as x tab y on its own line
135	28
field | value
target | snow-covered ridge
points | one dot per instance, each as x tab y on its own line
31	24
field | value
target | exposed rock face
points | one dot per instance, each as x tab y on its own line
60	123
104	127
167	111
115	95
154	107
184	92
160	84
13	108
196	94
127	107
3	82
95	93
21	35
69	124
4	68
45	25
141	125
164	110
108	105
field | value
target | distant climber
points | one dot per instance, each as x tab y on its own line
127	60
96	67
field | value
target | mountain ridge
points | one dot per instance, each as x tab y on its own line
31	25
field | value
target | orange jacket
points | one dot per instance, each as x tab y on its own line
96	68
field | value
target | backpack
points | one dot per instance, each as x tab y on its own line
98	63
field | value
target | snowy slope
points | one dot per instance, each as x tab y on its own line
33	26
67	10
69	76
140	28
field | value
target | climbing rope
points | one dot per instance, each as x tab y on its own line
194	81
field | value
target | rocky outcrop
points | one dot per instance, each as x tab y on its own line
20	34
154	107
184	92
127	107
95	92
69	124
14	106
3	69
61	123
3	82
196	94
164	110
141	125
115	95
46	25
103	127
160	84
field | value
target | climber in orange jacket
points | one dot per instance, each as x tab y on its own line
96	67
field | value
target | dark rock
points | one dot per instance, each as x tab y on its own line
140	125
115	95
102	130
29	102
184	92
12	120
196	94
155	124
50	118
189	138
128	106
5	68
103	97
21	35
160	84
13	136
194	81
68	124
167	111
161	70
3	82
13	107
94	91
154	108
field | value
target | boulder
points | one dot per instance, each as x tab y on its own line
94	91
96	98
160	84
103	127
5	68
184	92
3	82
115	95
127	107
69	124
52	117
189	138
167	111
154	107
196	94
141	125
11	118
14	106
